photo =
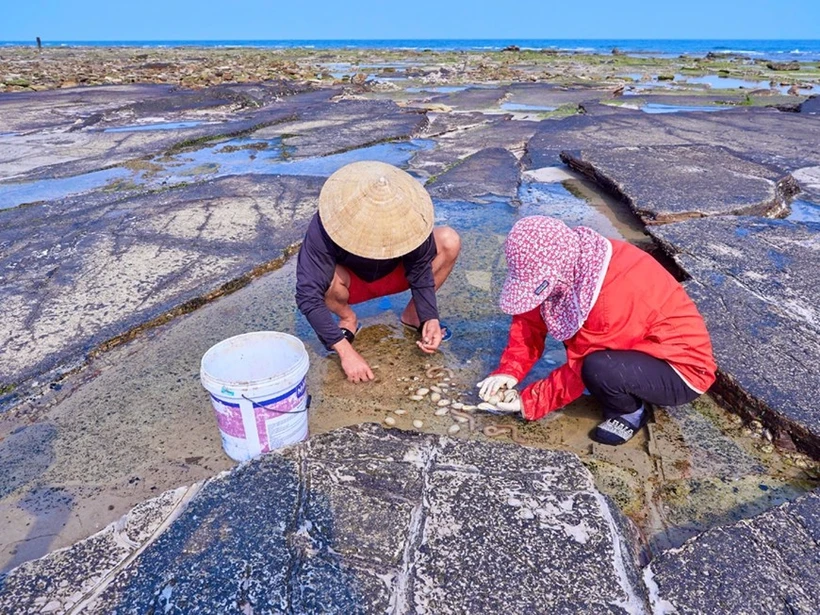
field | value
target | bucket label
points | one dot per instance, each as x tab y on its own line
279	421
229	419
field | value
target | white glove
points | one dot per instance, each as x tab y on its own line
491	385
509	403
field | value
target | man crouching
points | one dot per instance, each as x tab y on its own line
373	236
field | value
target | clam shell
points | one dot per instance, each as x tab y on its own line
389	420
422	391
453	429
442	411
416	397
443	402
435	397
418	424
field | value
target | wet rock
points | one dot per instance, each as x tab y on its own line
65	577
500	131
755	282
766	565
494	171
361	520
783	66
84	270
473	99
25	454
79	143
511	48
781	141
665	183
345	125
811	106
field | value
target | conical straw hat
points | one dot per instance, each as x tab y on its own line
375	210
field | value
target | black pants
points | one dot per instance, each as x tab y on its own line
621	380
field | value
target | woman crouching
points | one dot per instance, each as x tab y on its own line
632	334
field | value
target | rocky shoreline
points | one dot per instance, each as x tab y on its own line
141	223
25	68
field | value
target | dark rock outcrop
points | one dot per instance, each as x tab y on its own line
490	172
768	564
361	520
756	283
668	183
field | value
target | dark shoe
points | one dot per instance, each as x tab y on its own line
616	430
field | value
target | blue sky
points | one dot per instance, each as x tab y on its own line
371	19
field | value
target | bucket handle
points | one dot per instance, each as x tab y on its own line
306	408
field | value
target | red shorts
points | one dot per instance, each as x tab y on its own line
361	291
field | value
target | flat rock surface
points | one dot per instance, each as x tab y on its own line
80	271
360	520
344	125
811	106
756	283
88	132
768	564
490	172
666	182
780	140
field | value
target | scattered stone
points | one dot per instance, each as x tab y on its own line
389	420
418	424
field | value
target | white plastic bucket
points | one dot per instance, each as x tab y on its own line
257	387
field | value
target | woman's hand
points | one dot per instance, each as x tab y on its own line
509	403
491	385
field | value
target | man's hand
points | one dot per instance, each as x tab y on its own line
355	367
430	336
492	386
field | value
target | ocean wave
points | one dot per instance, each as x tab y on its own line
747	52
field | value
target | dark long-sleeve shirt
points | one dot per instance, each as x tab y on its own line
316	265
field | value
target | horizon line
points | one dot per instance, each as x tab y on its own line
505	38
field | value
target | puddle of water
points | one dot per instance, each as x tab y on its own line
511	106
159	126
234	157
15	194
441	89
397	154
804	211
659	108
717	82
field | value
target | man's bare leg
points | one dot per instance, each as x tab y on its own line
448	246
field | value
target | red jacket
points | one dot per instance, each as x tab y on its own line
640	307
